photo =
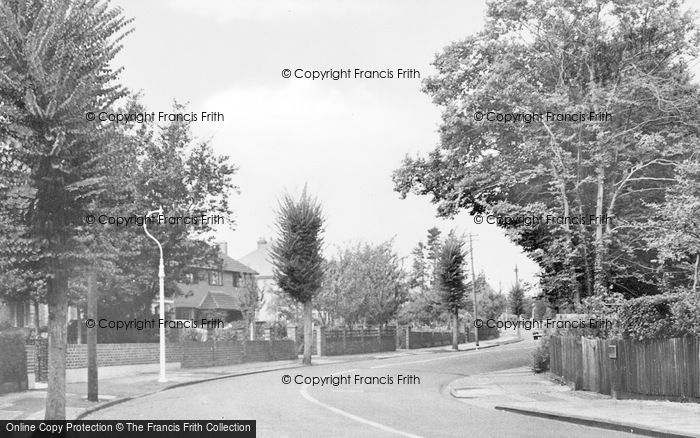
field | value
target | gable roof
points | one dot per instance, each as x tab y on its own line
232	265
205	296
260	259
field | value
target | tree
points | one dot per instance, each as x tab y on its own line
491	303
363	284
433	253
516	299
296	255
56	68
538	60
450	281
418	273
673	232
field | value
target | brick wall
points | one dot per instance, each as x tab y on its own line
122	354
213	353
31	357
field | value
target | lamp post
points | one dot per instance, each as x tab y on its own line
161	284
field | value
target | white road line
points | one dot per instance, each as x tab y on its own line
305	394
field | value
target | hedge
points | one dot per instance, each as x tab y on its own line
669	315
13	361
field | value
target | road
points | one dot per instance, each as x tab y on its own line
382	409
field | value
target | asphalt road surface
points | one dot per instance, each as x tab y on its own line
373	406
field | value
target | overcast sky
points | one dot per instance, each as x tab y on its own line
341	138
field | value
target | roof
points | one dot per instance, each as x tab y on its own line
260	259
232	265
205	296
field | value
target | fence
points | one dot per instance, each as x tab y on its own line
667	368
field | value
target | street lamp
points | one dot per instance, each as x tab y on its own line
161	284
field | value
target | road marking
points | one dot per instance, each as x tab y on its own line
306	395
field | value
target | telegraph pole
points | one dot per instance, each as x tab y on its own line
476	306
516	275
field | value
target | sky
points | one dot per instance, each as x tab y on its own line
342	139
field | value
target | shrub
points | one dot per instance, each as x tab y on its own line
13	361
540	357
657	316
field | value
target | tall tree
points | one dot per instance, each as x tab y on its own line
418	274
56	68
296	255
450	281
536	60
516	300
433	253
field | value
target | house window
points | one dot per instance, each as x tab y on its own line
215	278
236	279
191	278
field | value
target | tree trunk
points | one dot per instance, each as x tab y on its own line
599	272
308	332
455	330
695	276
92	386
58	332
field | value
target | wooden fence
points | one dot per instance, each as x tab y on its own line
659	369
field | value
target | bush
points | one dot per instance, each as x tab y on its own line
13	361
662	316
540	357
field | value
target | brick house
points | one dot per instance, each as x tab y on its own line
211	291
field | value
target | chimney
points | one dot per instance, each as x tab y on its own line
262	242
223	247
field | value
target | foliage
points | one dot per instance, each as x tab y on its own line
450	273
296	252
661	316
424	309
602	307
516	299
56	67
673	232
628	59
491	303
540	356
363	284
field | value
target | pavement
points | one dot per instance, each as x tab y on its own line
29	405
521	391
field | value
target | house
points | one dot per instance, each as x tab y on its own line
210	291
259	260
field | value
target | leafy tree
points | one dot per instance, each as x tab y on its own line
450	281
296	255
491	303
363	284
628	59
673	232
56	67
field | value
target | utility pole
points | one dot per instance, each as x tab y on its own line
476	306
516	275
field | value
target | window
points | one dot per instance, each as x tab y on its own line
215	278
236	279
